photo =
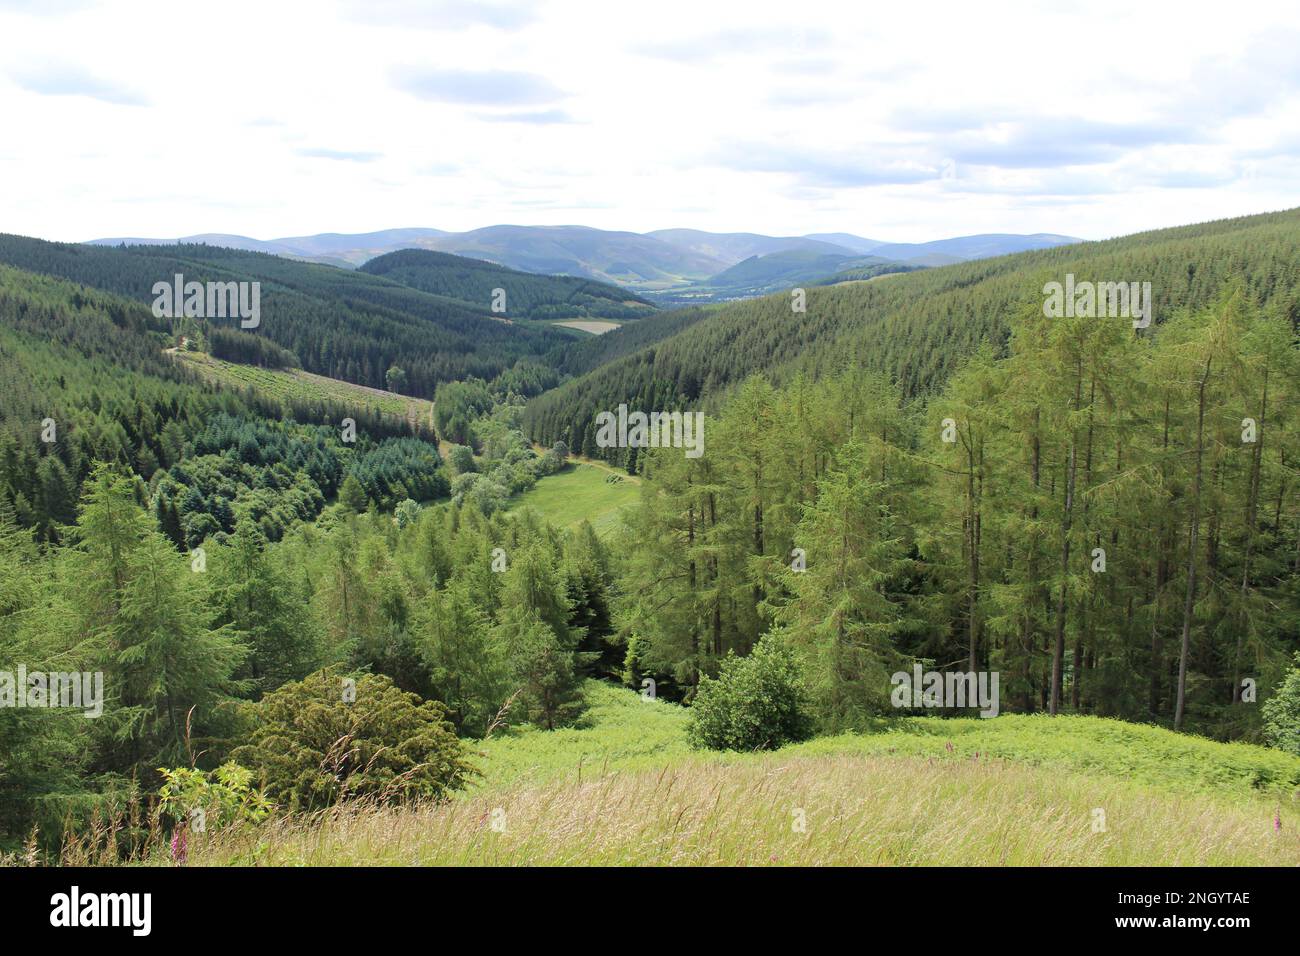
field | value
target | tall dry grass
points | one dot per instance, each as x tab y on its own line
855	810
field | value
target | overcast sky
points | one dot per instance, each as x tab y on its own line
900	121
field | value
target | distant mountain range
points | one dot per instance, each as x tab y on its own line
332	248
666	259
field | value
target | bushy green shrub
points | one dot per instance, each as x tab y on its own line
312	747
756	703
461	460
224	796
1282	713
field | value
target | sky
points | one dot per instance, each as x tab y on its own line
899	122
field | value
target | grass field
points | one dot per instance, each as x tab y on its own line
786	810
623	787
594	326
580	492
621	731
306	386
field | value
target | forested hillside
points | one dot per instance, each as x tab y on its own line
1111	521
529	296
1108	516
346	249
86	380
915	329
860	273
595	351
337	322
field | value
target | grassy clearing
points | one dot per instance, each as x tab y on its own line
622	786
295	384
620	731
1138	753
593	326
578	492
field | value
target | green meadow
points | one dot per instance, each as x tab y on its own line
580	492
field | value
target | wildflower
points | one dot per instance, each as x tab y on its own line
180	848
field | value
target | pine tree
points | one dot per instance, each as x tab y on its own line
352	496
256	601
841	614
534	628
171	664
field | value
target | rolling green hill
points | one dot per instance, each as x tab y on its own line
695	568
331	248
650	260
527	295
341	323
625	258
735	247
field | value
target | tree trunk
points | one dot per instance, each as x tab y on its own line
1087	483
1190	599
1252	512
972	530
1058	651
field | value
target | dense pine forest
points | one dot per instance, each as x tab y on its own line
920	469
525	295
342	323
1113	524
88	381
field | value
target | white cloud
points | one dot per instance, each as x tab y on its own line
478	87
69	79
899	122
